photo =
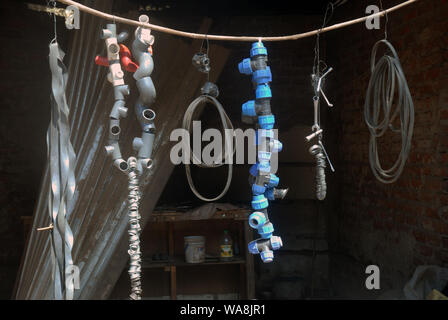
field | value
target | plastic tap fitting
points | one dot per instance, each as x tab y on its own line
261	106
266	122
253	108
259	202
264	159
263	135
263	182
259	220
270	180
256	65
266	230
265	247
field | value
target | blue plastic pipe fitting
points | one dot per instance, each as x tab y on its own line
265	247
263	182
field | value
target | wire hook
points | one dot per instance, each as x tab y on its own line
55	39
387	20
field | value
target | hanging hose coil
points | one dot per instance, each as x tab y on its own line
226	124
386	75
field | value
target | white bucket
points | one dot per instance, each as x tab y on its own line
194	248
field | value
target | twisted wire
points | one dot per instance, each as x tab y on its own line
134	231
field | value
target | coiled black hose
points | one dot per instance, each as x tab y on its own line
387	75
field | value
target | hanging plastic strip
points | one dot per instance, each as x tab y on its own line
61	162
118	54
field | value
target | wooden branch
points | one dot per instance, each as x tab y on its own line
114	18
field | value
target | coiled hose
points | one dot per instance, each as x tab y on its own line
226	124
386	75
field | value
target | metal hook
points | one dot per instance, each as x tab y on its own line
55	39
323	76
326	99
319	83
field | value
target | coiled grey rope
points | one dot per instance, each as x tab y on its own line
134	230
226	124
387	74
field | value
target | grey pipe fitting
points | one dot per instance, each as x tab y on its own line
122	36
121	164
118	110
144	147
113	150
120	92
109	32
147	91
146	64
146	118
210	89
114	131
140	46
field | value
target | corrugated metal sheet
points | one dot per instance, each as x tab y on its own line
98	215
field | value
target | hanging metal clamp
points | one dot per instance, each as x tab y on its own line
317	84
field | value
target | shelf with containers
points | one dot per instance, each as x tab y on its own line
166	274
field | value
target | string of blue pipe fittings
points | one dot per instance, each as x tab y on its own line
263	182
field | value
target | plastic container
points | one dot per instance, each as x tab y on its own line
226	248
194	248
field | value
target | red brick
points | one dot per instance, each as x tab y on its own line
424	250
445	243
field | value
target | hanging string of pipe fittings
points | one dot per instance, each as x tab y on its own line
179	33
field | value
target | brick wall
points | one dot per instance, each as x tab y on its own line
405	224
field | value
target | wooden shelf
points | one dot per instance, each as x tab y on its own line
158	215
180	262
173	221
